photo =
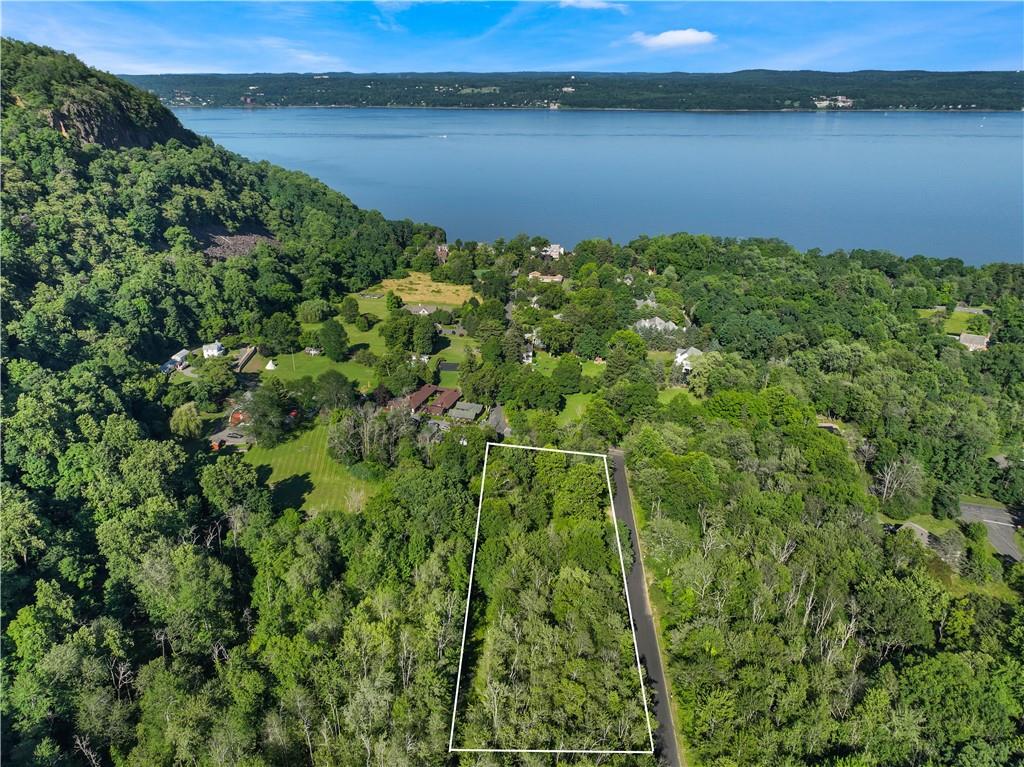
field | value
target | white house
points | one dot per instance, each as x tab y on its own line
685	357
554	251
657	324
216	349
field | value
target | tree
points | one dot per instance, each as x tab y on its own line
314	310
334	340
423	335
334	390
267	409
185	421
214	380
349	309
567	374
280	334
626	351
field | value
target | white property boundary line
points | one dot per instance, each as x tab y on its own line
469	594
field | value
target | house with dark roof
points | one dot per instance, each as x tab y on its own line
443	402
466	411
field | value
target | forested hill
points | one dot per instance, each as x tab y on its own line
94	106
746	90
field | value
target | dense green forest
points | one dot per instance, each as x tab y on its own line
554	655
752	89
168	604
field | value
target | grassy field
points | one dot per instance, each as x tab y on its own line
455	351
420	288
305	476
573	410
957	323
293	366
667	395
545	363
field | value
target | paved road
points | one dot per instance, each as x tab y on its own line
646	635
1001	524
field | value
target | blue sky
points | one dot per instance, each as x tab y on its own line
599	35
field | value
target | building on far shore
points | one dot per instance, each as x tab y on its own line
554	251
974	343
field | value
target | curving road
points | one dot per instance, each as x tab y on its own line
646	634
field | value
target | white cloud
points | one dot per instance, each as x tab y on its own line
594	5
673	38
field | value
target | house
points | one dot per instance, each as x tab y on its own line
656	324
312	351
445	400
496	420
238	417
554	251
441	403
546	277
528	354
685	357
419	397
534	338
974	342
216	349
177	361
447	367
642	302
466	411
421	310
441	253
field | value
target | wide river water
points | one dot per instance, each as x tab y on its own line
946	185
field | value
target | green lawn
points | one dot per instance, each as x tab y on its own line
306	475
981	500
449	379
927	521
573	410
545	363
293	366
667	395
957	323
455	350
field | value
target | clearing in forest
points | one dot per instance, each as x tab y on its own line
420	288
549	658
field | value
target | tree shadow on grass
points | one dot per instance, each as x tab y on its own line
291	492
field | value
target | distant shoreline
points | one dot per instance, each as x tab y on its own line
262	107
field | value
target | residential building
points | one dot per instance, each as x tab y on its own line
656	324
216	349
445	400
466	411
554	251
421	310
685	357
441	252
974	342
497	421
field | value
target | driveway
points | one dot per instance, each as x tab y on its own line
1001	524
646	635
